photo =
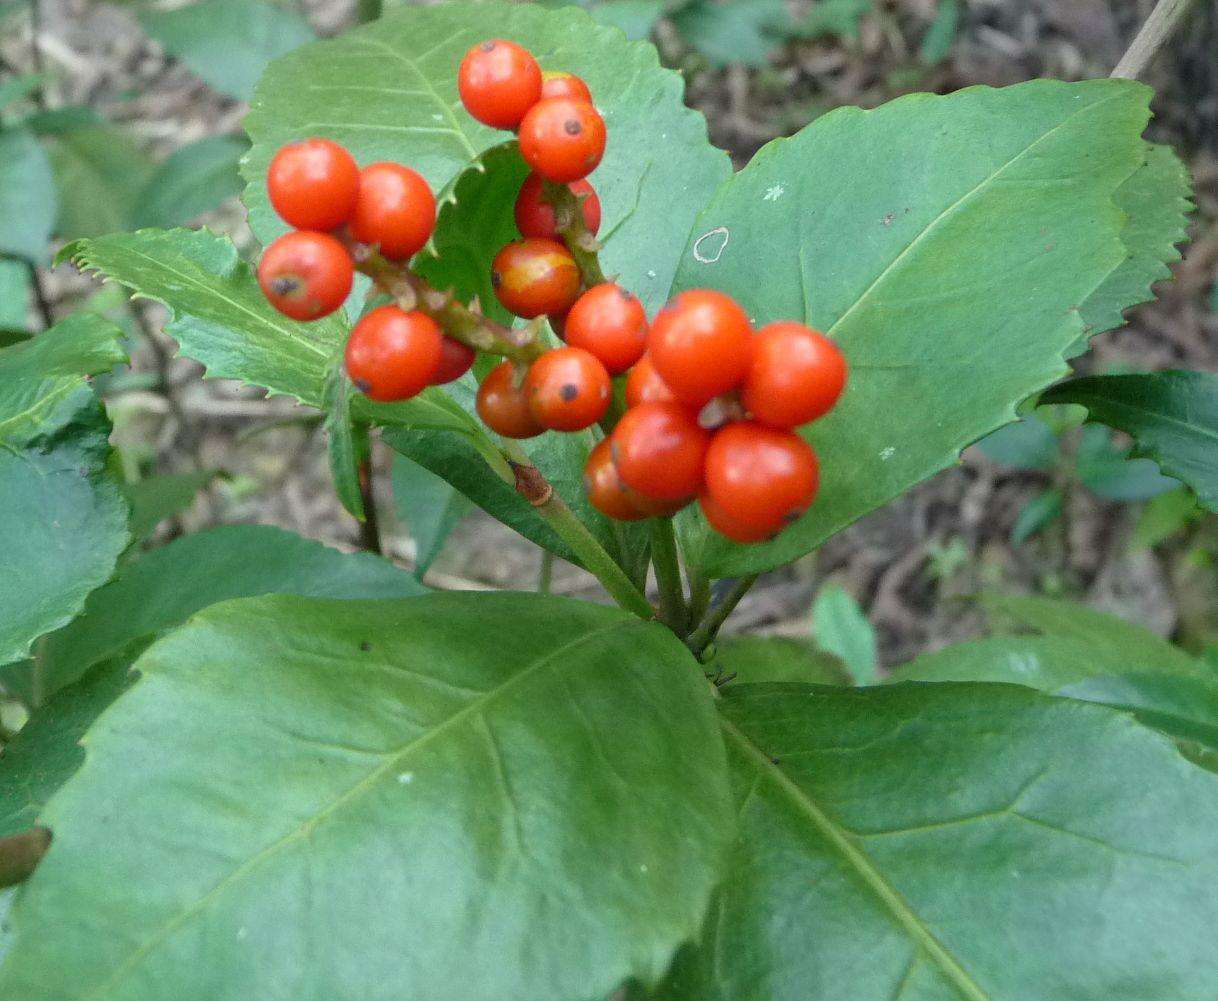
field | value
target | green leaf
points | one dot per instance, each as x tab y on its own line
165	587
429	506
63	520
228	43
55	121
221	318
1037	513
27	195
1107	471
957	841
462	797
100	174
195	179
458	461
17	87
733	31
635	18
346	443
156	498
941	35
942	241
1156	200
1029	443
838	18
14	298
1162	517
750	659
46	751
1172	417
1105	633
839	627
388	90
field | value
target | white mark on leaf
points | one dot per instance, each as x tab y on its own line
242	932
773	193
709	247
887	453
651	274
405	778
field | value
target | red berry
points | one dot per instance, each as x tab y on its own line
612	498
644	385
503	406
567	389
535	276
313	184
555	83
609	322
701	345
561	139
535	216
306	275
758	480
455	360
659	448
393	355
395	210
499	81
797	375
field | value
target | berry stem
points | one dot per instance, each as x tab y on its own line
545	500
673	612
569	220
706	631
458	321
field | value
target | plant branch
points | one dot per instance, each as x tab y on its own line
369	528
538	491
706	631
673	612
45	311
1152	36
569	220
460	322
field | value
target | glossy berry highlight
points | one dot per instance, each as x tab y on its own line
556	83
609	322
659	450
313	184
306	275
562	140
758	480
567	389
644	385
534	276
535	216
393	355
796	376
395	210
503	406
499	81
701	345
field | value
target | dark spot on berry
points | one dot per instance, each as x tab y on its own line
572	127
625	293
364	646
487	46
568	392
791	517
362	385
496	279
286	285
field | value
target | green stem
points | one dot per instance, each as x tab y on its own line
546	576
704	635
668	575
1152	36
569	219
534	487
699	592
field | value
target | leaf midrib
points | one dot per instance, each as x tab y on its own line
858	860
967	196
392	763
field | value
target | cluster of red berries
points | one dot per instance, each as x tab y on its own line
711	405
317	187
